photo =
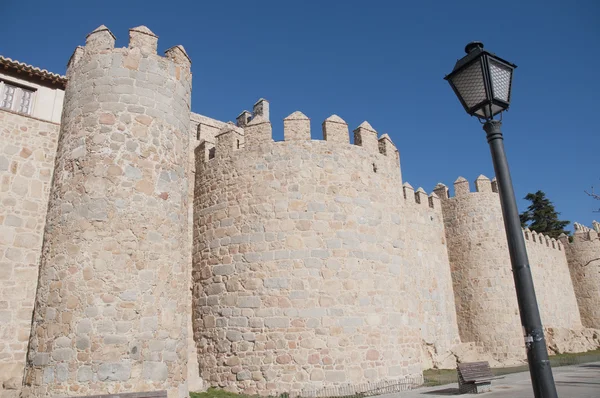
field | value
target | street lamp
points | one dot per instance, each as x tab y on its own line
483	82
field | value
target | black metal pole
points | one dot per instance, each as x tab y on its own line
537	354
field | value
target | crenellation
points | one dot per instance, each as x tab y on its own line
494	185
461	187
261	108
258	132
143	39
435	201
335	129
580	228
296	127
541	239
100	39
421	197
441	191
178	55
388	149
409	192
483	184
243	119
386	146
366	136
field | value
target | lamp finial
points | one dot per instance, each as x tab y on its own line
473	45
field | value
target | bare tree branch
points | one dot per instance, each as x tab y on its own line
593	195
592	260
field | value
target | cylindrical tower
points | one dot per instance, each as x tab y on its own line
110	307
485	297
300	278
583	255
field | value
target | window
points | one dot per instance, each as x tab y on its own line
15	98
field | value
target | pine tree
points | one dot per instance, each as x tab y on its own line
541	216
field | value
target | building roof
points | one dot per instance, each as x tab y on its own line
43	74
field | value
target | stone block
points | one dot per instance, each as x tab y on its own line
85	374
335	376
114	371
277	322
249	302
155	371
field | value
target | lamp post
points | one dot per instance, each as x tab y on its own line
482	82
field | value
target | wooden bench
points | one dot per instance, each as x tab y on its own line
474	377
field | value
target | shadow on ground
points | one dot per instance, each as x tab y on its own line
443	391
590	366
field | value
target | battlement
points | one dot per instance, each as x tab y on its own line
582	233
253	130
462	187
420	197
315	240
142	41
484	185
541	239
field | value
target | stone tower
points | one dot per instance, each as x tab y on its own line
110	309
486	305
307	261
583	254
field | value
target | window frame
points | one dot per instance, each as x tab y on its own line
17	97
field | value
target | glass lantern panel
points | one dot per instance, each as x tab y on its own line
501	76
496	109
484	111
470	85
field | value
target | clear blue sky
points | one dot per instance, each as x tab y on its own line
381	61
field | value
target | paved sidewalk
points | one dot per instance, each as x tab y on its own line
577	381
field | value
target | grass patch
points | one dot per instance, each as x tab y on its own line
570	359
217	393
438	377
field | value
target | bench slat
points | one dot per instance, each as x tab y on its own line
475	372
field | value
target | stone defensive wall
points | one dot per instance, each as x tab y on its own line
551	276
313	267
110	313
486	302
202	128
583	253
27	148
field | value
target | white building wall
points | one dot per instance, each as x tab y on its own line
47	101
